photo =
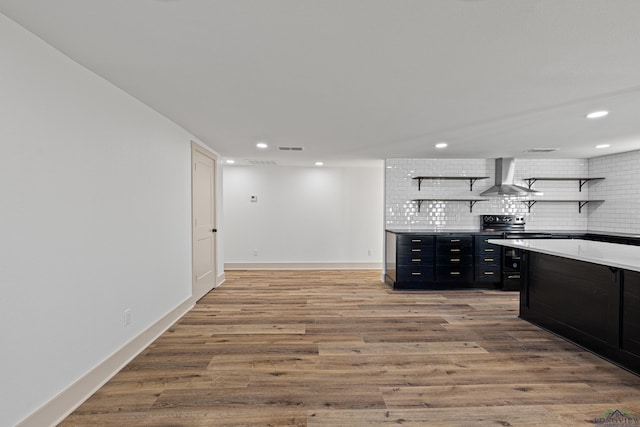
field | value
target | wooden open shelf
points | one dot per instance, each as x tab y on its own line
472	179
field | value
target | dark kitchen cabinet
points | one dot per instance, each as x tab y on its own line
487	259
454	258
410	260
441	260
415	258
623	240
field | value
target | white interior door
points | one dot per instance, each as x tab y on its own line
203	174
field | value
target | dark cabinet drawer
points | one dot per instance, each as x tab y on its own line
454	260
415	274
453	251
415	258
454	274
454	241
416	240
487	274
488	260
495	250
408	251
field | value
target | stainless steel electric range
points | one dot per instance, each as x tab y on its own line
511	227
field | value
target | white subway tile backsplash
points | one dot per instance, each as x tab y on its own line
620	191
401	189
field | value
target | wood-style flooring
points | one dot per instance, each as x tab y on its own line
340	348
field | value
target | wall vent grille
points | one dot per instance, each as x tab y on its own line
263	162
541	150
281	148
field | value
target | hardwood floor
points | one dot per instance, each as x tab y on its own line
339	348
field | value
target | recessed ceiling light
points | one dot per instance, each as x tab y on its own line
441	145
261	145
603	146
230	161
319	163
597	114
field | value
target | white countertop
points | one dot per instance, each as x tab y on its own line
611	254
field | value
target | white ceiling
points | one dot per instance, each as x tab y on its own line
359	80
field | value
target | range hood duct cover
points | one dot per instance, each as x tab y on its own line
504	186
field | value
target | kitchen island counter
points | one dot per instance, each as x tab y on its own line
609	254
585	291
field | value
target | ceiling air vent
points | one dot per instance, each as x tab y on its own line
541	150
262	162
290	148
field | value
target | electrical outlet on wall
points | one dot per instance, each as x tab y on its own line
370	252
255	252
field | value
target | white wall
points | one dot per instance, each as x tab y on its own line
94	219
304	217
402	213
620	190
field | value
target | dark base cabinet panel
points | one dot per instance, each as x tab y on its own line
578	294
631	313
585	303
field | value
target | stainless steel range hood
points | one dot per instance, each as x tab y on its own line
505	168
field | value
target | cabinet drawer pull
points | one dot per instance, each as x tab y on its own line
488	260
454	273
488	250
455	240
416	240
416	250
455	259
416	274
455	250
488	273
416	259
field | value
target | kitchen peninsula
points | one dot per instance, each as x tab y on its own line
585	291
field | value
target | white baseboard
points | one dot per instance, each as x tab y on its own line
220	280
63	404
303	266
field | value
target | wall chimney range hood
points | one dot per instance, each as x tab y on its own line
504	186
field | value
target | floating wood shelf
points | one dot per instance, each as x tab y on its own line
581	181
472	202
472	179
581	203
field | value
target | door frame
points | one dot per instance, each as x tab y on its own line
196	293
